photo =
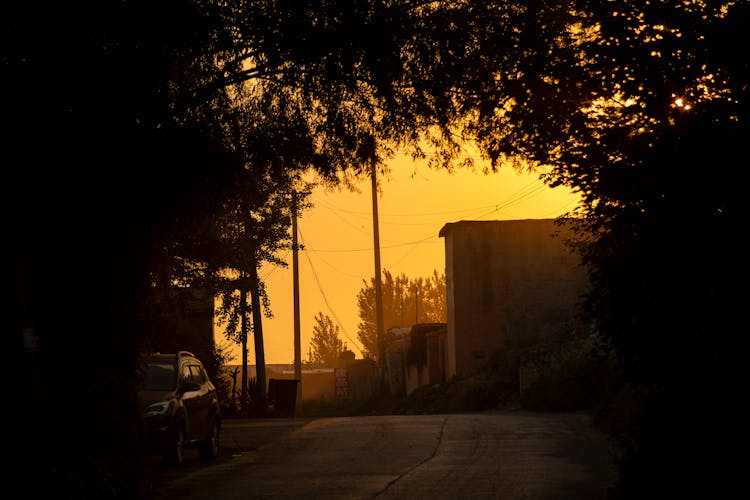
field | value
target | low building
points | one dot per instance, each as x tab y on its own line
507	283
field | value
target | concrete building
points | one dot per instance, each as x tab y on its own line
507	283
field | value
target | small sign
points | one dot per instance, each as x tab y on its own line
341	381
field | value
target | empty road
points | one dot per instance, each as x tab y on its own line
508	455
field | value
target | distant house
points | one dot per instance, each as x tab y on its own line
507	283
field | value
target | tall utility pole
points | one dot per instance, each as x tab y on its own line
378	283
295	274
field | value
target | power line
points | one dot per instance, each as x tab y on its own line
275	267
528	190
512	202
360	229
531	188
335	268
404	256
325	299
402	244
365	215
565	208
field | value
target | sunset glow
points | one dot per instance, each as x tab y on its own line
414	204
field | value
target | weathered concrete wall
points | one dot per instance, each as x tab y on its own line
507	282
395	361
318	385
415	357
363	379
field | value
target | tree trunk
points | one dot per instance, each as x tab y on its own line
243	337
260	358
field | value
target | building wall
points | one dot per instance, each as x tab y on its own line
319	384
363	379
507	282
395	361
415	357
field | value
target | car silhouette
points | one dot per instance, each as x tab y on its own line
180	407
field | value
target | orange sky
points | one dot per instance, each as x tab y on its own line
337	234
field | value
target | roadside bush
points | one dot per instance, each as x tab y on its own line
572	378
568	377
484	391
494	386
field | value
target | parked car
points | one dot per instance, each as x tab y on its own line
180	407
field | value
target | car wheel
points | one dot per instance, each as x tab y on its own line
173	454
209	448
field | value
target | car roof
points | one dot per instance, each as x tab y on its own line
170	357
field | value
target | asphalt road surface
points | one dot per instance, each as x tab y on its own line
509	455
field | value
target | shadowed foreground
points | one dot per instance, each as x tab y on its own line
512	454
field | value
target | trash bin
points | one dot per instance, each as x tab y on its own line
283	395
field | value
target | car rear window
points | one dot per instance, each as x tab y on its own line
159	376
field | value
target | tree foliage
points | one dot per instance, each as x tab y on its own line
640	107
124	165
325	345
406	301
127	160
103	169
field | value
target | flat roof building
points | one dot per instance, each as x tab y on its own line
507	283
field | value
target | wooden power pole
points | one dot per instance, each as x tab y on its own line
378	283
295	274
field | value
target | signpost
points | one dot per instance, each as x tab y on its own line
341	381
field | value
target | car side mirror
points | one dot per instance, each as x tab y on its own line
190	386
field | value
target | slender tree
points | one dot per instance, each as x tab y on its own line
260	236
325	346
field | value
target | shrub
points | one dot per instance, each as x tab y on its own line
569	377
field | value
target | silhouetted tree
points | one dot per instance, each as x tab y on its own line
101	171
125	160
405	302
632	105
325	344
256	228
